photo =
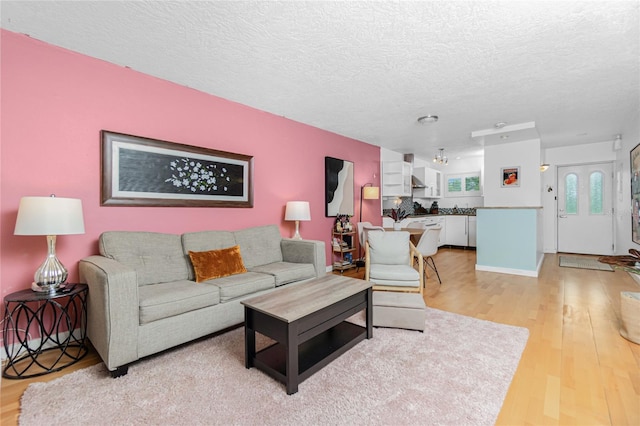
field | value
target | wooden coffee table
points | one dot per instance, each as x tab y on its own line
307	322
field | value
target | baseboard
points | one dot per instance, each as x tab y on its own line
523	272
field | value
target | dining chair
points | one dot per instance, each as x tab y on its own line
363	229
415	225
360	226
389	260
428	247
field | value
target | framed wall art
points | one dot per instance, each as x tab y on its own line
138	171
462	185
338	185
510	177
635	194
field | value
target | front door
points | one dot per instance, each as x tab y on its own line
585	209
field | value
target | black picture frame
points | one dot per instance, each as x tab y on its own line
634	158
338	185
139	171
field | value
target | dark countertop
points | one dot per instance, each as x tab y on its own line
418	216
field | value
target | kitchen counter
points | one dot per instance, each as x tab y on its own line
511	207
418	216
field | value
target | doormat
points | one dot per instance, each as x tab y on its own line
584	263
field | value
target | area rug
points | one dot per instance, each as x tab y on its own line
455	373
583	263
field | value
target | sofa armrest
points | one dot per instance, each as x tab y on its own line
112	309
305	251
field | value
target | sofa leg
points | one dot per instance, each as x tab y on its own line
119	371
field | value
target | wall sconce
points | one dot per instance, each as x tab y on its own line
297	210
49	216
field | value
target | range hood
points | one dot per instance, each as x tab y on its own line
415	182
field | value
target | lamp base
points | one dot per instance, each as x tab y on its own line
297	235
51	288
52	273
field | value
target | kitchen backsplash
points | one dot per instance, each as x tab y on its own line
409	206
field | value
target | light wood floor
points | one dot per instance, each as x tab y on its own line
576	368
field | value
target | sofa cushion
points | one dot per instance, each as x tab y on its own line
286	272
205	241
165	300
242	284
156	257
217	263
259	245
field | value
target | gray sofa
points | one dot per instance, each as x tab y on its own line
143	297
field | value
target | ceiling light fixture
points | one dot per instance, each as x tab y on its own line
440	158
428	119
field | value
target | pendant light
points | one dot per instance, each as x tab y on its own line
440	158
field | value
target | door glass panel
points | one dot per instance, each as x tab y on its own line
571	193
595	193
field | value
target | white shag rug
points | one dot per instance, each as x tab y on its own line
455	373
584	263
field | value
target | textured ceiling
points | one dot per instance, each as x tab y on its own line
368	70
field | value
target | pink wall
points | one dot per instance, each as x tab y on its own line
54	104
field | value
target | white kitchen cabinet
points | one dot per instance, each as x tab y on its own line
432	180
396	179
457	230
442	238
471	222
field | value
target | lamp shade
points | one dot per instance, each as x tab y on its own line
371	193
297	210
49	216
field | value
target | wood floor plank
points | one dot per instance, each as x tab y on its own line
575	369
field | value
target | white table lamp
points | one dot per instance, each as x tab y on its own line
49	216
297	210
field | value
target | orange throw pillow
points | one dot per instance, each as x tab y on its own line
217	263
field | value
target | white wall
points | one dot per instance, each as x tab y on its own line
565	156
524	154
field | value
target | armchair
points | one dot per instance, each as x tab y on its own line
389	260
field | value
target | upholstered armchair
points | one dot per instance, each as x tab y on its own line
389	260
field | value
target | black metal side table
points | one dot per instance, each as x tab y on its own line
36	323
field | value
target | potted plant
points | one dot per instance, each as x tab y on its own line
397	215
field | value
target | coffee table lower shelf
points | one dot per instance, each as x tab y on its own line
314	354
